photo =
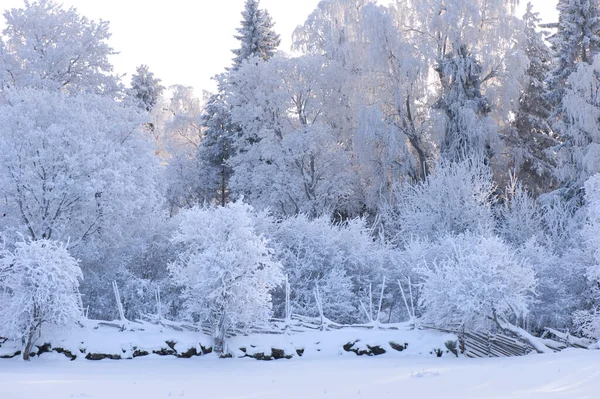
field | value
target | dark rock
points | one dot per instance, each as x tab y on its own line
139	353
164	352
65	352
206	350
17	353
226	356
300	352
46	348
243	350
397	347
376	350
188	354
100	356
279	354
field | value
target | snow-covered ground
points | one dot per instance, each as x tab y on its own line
570	374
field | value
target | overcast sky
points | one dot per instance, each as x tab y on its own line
189	41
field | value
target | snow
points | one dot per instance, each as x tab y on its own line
569	374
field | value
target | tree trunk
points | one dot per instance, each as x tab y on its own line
29	344
219	346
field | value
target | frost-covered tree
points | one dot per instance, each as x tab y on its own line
217	147
576	40
39	283
475	282
256	34
72	165
476	86
179	134
468	131
257	39
579	126
289	157
573	83
457	198
78	169
531	136
145	88
58	49
226	268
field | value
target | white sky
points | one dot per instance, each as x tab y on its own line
189	41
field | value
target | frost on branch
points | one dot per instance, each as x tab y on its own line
474	282
39	284
225	267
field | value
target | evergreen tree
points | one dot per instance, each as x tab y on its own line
256	35
531	135
464	105
572	84
216	148
257	39
145	88
575	41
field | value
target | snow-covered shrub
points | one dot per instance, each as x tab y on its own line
341	259
39	284
520	217
473	282
455	199
225	267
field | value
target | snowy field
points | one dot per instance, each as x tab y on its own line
570	374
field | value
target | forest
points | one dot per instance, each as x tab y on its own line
445	153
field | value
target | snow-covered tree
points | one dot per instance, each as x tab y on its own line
256	35
455	199
145	88
72	165
217	146
288	158
475	282
39	283
468	131
573	83
58	49
531	136
179	134
78	169
257	39
577	40
579	126
226	268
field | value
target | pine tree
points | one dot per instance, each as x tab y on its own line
531	135
256	35
257	39
145	88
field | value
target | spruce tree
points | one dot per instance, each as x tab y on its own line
145	88
575	41
531	135
256	34
572	84
257	39
464	105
